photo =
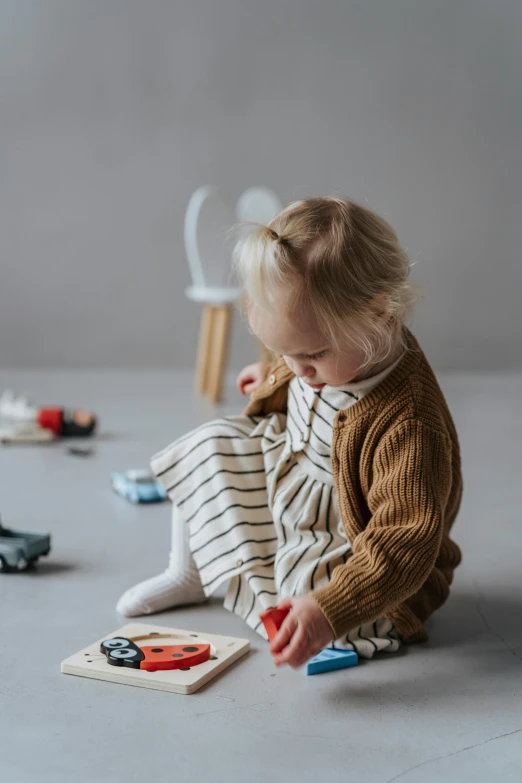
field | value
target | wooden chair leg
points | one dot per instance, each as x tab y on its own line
221	327
204	356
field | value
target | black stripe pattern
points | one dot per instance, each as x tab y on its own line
260	501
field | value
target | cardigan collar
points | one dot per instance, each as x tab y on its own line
408	363
280	373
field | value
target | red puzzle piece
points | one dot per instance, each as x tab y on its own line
176	656
124	652
273	620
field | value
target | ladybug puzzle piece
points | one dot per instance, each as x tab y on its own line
124	652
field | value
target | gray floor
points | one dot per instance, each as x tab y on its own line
449	710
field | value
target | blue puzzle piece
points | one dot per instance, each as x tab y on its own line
328	660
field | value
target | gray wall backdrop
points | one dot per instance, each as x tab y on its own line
113	111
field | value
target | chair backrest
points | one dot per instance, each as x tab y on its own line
208	220
258	205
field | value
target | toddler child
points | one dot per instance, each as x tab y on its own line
334	492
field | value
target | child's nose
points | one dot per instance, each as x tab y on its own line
304	371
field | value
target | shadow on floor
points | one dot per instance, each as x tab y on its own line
467	616
46	567
475	644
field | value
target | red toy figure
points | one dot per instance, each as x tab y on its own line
62	422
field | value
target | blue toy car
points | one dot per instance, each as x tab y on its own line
138	486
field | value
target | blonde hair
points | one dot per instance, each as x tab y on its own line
343	261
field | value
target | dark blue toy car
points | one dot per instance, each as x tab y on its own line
20	550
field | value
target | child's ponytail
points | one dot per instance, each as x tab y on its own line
261	262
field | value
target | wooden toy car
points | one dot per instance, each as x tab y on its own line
138	486
20	550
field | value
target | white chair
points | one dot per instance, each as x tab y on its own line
208	220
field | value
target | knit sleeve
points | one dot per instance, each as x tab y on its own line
394	555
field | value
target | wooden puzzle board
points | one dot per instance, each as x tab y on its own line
90	662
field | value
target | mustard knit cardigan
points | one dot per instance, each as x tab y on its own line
396	466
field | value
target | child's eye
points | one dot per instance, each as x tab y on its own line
315	355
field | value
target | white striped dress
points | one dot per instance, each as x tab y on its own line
258	495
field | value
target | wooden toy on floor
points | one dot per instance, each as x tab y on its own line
124	652
123	657
329	660
273	620
326	661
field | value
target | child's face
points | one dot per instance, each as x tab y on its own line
305	350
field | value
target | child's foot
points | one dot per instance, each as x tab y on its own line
162	592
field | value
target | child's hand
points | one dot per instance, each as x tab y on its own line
251	377
304	632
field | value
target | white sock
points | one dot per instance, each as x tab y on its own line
179	585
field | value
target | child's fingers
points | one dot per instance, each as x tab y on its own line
295	653
244	382
284	635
